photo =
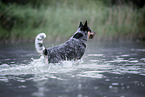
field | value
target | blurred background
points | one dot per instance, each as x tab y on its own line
112	20
115	68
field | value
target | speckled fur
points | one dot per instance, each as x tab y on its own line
72	49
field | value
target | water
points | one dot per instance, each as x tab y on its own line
106	70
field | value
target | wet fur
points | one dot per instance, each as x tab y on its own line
72	49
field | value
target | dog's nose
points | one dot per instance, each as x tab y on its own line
91	34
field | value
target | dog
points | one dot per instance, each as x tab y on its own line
73	49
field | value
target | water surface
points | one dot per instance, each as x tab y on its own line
106	70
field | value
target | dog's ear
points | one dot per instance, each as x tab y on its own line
80	24
86	24
85	27
78	35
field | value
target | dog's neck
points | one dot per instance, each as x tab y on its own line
83	38
85	34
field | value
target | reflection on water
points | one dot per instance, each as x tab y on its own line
106	70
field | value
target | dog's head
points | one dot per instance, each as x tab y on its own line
84	31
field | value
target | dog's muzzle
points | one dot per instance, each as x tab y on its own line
91	34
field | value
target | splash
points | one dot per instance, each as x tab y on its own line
41	71
66	69
37	66
18	69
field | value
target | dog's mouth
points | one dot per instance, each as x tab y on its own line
91	35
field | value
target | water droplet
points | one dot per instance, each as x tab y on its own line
128	87
115	84
110	87
107	80
96	87
124	55
80	95
123	88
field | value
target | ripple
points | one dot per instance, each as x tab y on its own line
4	65
92	74
115	84
4	79
134	61
143	50
124	55
95	55
142	59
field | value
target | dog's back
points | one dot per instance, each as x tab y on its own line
70	50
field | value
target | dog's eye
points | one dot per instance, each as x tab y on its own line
89	29
78	35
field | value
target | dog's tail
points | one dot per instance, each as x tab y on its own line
39	43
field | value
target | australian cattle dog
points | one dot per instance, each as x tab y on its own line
73	49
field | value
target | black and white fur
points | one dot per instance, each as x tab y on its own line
72	49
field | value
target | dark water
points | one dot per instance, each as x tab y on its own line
106	70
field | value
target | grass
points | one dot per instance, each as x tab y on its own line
60	20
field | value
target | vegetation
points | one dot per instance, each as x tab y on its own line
22	20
